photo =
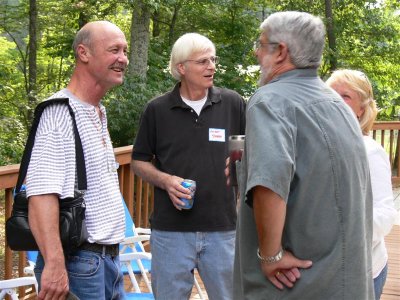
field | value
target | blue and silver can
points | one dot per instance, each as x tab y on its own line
191	185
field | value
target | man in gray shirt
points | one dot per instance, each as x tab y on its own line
306	206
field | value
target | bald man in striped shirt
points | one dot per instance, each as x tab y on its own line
92	271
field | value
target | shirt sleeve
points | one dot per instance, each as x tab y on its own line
52	165
144	144
384	212
270	151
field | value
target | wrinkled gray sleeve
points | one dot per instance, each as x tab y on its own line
270	150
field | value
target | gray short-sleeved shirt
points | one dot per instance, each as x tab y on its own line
304	143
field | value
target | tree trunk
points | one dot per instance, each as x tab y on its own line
156	23
82	19
32	57
139	40
331	35
171	36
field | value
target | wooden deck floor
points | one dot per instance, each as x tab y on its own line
391	290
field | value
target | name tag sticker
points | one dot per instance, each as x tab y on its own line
216	135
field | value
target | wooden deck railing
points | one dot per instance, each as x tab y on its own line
138	194
387	134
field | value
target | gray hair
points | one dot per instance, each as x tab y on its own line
85	34
184	47
303	33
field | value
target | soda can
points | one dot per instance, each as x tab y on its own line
191	185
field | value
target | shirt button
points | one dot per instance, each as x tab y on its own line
196	120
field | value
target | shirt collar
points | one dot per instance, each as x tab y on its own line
77	104
214	96
296	73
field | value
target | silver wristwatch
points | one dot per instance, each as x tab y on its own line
270	259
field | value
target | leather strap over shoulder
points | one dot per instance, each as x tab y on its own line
80	160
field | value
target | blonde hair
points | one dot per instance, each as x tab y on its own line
184	47
360	84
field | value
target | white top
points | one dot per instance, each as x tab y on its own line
383	206
196	105
52	167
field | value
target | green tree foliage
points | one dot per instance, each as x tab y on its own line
366	38
12	131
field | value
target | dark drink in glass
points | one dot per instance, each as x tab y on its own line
236	146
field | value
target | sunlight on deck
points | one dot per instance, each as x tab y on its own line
391	290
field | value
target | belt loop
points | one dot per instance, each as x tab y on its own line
103	254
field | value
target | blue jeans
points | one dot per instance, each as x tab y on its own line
175	255
92	276
379	282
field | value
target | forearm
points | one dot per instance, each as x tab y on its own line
44	222
170	183
269	213
43	216
150	173
384	212
384	216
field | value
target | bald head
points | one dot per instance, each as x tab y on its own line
90	31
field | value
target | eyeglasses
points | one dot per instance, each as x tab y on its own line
258	44
205	62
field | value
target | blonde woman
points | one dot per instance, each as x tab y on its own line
356	90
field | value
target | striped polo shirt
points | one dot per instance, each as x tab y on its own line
52	168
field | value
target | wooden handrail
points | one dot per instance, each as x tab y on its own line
386	125
387	133
8	176
139	195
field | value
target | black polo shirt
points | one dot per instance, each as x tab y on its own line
192	147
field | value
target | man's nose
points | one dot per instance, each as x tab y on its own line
123	58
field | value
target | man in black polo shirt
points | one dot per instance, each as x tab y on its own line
186	131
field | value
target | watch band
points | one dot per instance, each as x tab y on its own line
270	259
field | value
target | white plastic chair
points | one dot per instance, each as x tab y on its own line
133	243
127	260
28	270
9	286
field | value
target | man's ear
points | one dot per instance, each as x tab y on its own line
83	52
181	68
283	53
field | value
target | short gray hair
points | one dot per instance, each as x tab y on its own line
303	33
84	36
184	47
